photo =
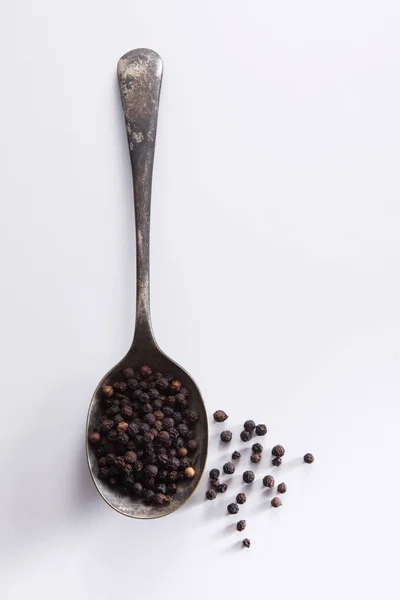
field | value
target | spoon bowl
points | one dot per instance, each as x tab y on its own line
140	75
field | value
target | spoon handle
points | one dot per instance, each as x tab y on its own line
139	77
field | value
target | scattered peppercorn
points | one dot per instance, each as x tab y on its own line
278	451
220	416
245	436
308	458
249	425
211	494
269	481
241	525
255	458
282	488
257	448
232	508
246	543
261	429
214	474
226	436
248	476
241	498
277	461
229	468
222	487
276	502
236	455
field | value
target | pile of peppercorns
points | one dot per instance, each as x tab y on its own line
145	442
277	452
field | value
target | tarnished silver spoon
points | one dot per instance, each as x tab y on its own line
139	76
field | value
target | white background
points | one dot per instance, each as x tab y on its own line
275	281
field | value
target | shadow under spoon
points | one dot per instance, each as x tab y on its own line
139	76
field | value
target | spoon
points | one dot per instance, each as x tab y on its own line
139	76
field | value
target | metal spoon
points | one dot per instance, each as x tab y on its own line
139	75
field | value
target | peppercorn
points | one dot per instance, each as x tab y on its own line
118	419
276	502
214	474
95	438
241	498
191	445
277	461
127	412
122	426
130	456
232	508
241	525
106	425
246	543
162	384
183	429
257	448
107	390
226	436
191	434
173	476
185	392
278	451
248	476
185	463
190	472
211	494
150	471
128	373
174	463
229	468
168	422
220	416
171	488
148	495
236	455
181	400
145	371
255	458
175	385
308	458
144	398
191	416
215	483
137	489
133	383
221	489
182	452
245	436
100	452
261	429
269	481
138	466
249	425
113	410
282	488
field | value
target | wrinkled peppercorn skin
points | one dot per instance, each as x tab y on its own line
308	458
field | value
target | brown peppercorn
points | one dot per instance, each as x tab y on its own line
282	488
122	426
246	543
226	436
159	415
232	508
220	416
249	425
175	385
130	457
107	391
182	452
248	476
276	502
241	498
308	458
277	461
236	455
278	451
255	458
145	371
229	468
221	489
211	494
241	525
190	472
95	438
245	436
269	481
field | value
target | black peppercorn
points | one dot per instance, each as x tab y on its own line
220	416
269	481
215	483
248	476
221	489
191	434
133	383
236	455
149	419
308	458
278	451
245	436
214	474
211	494
191	445
137	489
229	468
113	410
181	400
232	508
138	466
241	525
148	495
127	412
106	425
128	373
226	436
261	429
249	425
112	435
150	471
257	448
246	543
145	371
118	419
159	499
120	386
186	462
171	488
162	384
277	461
191	416
183	429
276	502
282	488
174	463
130	457
255	458
241	498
